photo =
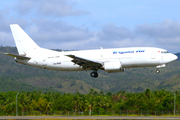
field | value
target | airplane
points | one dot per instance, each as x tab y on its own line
110	60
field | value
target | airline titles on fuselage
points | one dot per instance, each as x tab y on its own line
122	52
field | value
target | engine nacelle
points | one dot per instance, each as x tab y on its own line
113	66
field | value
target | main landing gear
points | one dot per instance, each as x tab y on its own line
94	74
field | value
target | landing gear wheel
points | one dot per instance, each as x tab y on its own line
157	71
94	74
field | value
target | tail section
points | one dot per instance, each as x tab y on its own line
25	45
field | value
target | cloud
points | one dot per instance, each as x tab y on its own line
35	17
112	32
167	28
115	36
55	8
5	32
58	32
5	39
165	34
42	20
24	7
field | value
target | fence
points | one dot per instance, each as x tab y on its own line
86	113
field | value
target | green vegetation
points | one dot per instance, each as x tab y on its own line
46	91
50	102
18	77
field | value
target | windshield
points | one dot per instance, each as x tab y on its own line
164	52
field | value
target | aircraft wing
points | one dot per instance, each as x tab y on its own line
18	56
86	63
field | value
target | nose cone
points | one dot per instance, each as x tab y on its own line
174	57
169	58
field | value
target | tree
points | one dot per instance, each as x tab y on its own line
109	93
148	93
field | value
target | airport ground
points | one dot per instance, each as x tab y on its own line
89	118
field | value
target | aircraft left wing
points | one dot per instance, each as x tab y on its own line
18	56
86	63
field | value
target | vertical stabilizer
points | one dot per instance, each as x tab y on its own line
24	44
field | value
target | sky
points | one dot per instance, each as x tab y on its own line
91	24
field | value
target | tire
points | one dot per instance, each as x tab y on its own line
94	74
157	71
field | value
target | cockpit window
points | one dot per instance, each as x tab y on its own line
164	52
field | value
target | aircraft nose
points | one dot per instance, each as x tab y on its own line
174	57
168	58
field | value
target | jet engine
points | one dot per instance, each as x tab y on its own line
113	66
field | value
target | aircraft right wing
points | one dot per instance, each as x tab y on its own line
18	56
86	63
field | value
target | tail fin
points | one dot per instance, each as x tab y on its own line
24	43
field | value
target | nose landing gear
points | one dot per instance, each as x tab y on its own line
157	71
159	66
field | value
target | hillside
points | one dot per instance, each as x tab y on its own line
171	84
15	76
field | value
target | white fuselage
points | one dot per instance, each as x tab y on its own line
109	60
128	57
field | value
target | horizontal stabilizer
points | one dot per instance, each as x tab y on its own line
18	56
